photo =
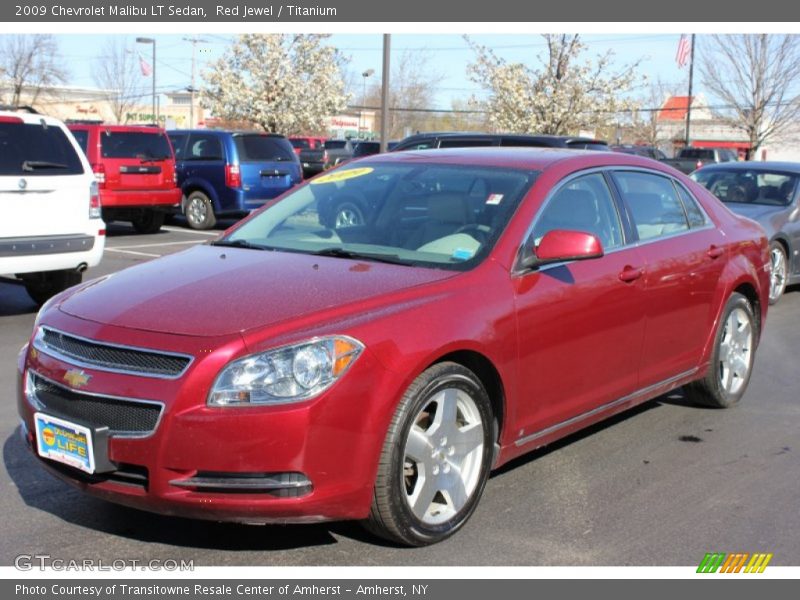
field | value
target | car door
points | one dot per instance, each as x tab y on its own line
684	256
580	323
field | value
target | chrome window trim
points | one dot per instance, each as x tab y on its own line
30	395
41	346
516	271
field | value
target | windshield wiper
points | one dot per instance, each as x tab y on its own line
154	159
240	244
32	165
337	252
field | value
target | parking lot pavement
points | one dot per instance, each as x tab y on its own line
660	485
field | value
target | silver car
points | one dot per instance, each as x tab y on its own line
766	192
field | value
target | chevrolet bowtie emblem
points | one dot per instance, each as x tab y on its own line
76	378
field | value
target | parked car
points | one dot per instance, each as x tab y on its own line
51	229
640	150
231	173
300	143
290	372
331	154
766	192
366	148
690	159
135	170
450	139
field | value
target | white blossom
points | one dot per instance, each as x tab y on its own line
563	96
282	83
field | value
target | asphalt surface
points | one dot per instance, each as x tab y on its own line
660	485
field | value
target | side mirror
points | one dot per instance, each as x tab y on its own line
561	245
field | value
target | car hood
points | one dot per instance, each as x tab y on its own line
214	291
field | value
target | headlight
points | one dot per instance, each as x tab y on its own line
287	374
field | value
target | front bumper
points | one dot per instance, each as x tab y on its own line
305	462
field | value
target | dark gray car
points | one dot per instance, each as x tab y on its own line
766	192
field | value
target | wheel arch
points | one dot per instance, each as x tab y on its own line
489	377
196	185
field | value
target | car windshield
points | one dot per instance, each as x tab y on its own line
739	186
135	144
422	215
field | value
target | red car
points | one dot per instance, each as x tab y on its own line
300	143
493	301
135	171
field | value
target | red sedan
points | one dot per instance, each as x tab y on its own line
491	302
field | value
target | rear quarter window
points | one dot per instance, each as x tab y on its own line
82	137
178	141
32	149
262	148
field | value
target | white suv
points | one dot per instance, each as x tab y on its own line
50	225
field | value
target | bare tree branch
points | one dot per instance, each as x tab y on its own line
30	63
117	72
756	76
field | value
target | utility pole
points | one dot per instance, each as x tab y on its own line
387	43
147	40
689	102
194	41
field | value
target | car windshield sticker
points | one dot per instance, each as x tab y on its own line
462	254
494	199
342	175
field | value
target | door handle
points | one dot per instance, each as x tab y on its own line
629	274
715	251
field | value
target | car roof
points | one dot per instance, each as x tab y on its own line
116	128
31	117
509	136
752	165
517	157
227	132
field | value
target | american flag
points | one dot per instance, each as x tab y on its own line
147	70
684	51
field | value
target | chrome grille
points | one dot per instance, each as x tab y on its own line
110	357
121	416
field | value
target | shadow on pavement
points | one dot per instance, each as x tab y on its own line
43	492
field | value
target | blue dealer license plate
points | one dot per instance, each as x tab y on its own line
64	442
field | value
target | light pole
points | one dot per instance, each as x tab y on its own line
147	40
365	75
194	41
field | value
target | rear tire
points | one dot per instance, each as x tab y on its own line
436	458
148	221
43	286
199	211
732	358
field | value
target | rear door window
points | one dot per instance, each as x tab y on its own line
178	141
204	146
653	204
263	148
134	144
31	149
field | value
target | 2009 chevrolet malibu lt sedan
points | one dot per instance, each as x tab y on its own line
489	302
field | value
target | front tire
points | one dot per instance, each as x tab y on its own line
732	358
199	211
777	277
436	458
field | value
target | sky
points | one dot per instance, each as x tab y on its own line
448	56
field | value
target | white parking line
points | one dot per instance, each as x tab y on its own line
158	244
182	230
132	252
